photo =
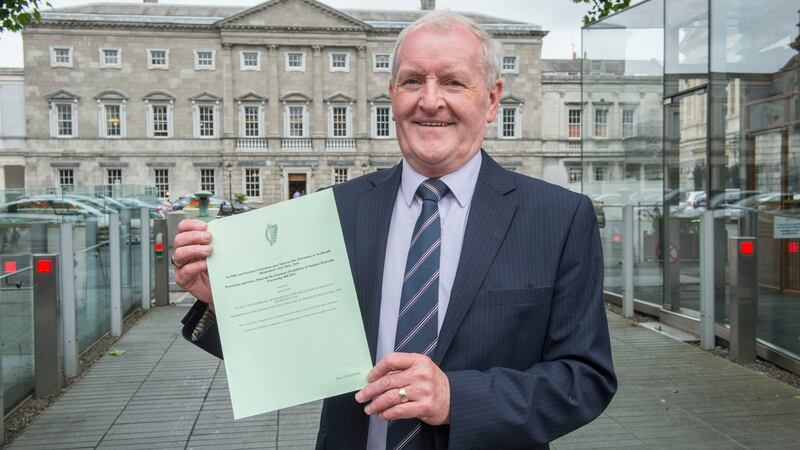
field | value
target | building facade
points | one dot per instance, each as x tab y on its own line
12	129
287	96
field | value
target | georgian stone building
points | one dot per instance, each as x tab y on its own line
12	130
285	96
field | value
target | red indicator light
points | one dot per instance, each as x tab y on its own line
159	247
10	267
44	266
746	248
617	238
793	247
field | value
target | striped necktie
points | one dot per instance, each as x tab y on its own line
417	321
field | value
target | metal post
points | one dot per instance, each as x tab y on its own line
144	229
743	311
38	238
91	283
2	403
115	255
627	260
161	265
66	268
707	281
46	326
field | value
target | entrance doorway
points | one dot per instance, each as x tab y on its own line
298	185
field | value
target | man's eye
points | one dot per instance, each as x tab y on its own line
454	83
411	81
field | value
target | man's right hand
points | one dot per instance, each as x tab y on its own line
191	247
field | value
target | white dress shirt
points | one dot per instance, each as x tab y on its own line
453	212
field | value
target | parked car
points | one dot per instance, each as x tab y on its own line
50	209
190	201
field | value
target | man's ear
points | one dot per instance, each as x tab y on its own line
494	100
390	91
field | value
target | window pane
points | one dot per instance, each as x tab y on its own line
62	55
64	118
340	175
250	59
158	57
114	176
162	182
601	123
339	121
382	118
66	178
205	58
160	124
381	61
627	123
110	56
509	62
252	182
251	125
113	120
295	60
206	120
574	124
509	122
296	128
339	60
208	180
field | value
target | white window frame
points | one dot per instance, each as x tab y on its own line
579	123
111	180
102	54
514	69
54	131
63	172
374	118
151	132
348	120
302	67
286	125
201	184
632	131
249	198
600	170
375	67
346	175
198	66
54	61
517	121
155	181
604	134
574	170
346	67
152	66
102	119
244	67
261	122
196	119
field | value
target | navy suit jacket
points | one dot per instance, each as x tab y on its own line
524	341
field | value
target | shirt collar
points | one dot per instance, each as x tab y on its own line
460	182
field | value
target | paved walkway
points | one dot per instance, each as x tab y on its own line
164	393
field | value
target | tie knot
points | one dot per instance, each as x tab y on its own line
432	189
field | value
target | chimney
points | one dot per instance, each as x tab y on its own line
428	5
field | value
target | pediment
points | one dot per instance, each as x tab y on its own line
295	97
159	95
380	98
205	96
511	100
293	14
111	95
250	97
62	94
339	97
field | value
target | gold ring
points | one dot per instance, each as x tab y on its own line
403	396
177	266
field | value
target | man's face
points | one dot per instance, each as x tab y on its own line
440	101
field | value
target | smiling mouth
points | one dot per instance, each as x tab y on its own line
434	124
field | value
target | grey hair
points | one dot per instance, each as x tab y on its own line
443	21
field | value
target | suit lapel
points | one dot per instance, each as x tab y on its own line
493	206
374	216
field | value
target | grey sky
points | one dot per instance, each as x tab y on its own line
561	18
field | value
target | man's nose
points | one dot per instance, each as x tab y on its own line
431	98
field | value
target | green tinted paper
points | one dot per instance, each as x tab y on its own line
286	306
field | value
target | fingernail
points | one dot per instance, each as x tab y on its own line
206	236
358	396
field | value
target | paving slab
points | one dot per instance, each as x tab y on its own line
165	393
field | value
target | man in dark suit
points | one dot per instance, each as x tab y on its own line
480	289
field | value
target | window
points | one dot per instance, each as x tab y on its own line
110	57
157	59
114	176
160	123
601	122
653	172
250	61
60	56
509	122
252	183
574	124
599	173
295	61
340	175
66	179
252	121
382	123
208	180
509	64
296	124
161	182
339	121
575	174
204	60
112	121
206	120
340	62
627	123
65	120
381	62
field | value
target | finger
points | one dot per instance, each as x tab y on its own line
188	274
191	238
192	225
393	362
409	410
388	399
394	380
190	253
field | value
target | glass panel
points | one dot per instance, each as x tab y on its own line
92	285
621	126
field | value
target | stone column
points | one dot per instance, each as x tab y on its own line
274	109
361	93
227	92
318	115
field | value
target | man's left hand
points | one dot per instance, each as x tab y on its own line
426	388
